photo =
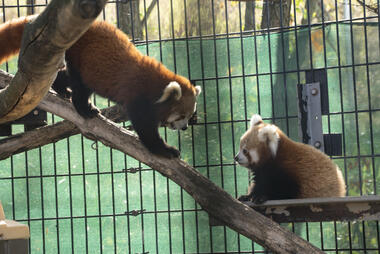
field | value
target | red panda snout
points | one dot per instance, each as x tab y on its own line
183	108
247	157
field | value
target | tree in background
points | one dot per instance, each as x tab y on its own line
273	11
30	8
249	19
129	17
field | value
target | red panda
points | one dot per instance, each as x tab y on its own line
104	61
285	169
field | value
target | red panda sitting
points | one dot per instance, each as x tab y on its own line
104	61
285	169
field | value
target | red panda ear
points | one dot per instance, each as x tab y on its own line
172	89
270	136
255	120
198	90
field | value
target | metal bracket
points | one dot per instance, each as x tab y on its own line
310	115
313	102
333	144
320	75
36	118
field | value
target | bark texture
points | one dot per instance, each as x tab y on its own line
43	45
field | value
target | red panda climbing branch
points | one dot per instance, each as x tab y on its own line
104	61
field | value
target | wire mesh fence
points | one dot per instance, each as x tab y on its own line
78	196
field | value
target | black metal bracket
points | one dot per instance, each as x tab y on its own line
36	118
310	115
313	102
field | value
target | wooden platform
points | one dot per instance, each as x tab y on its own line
363	208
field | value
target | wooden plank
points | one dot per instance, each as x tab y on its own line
363	208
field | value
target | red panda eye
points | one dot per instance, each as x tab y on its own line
245	152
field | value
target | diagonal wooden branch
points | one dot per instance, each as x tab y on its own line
29	140
212	199
48	134
43	45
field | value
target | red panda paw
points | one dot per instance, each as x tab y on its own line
168	152
255	199
89	111
93	111
259	199
245	198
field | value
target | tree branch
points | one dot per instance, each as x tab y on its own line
373	8
149	11
48	134
43	45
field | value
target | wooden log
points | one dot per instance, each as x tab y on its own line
43	45
364	208
48	134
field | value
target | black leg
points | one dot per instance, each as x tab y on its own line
61	83
249	195
81	97
143	116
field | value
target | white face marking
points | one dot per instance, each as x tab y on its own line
269	134
243	159
172	118
255	119
180	118
180	124
254	155
176	122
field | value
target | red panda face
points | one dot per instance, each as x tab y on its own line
258	144
182	108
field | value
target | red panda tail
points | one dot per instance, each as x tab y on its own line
10	37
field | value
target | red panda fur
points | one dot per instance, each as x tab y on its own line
93	57
284	168
316	173
104	61
97	47
10	37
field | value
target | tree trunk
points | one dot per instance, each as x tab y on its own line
276	14
30	8
273	11
129	18
310	8
249	19
44	43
